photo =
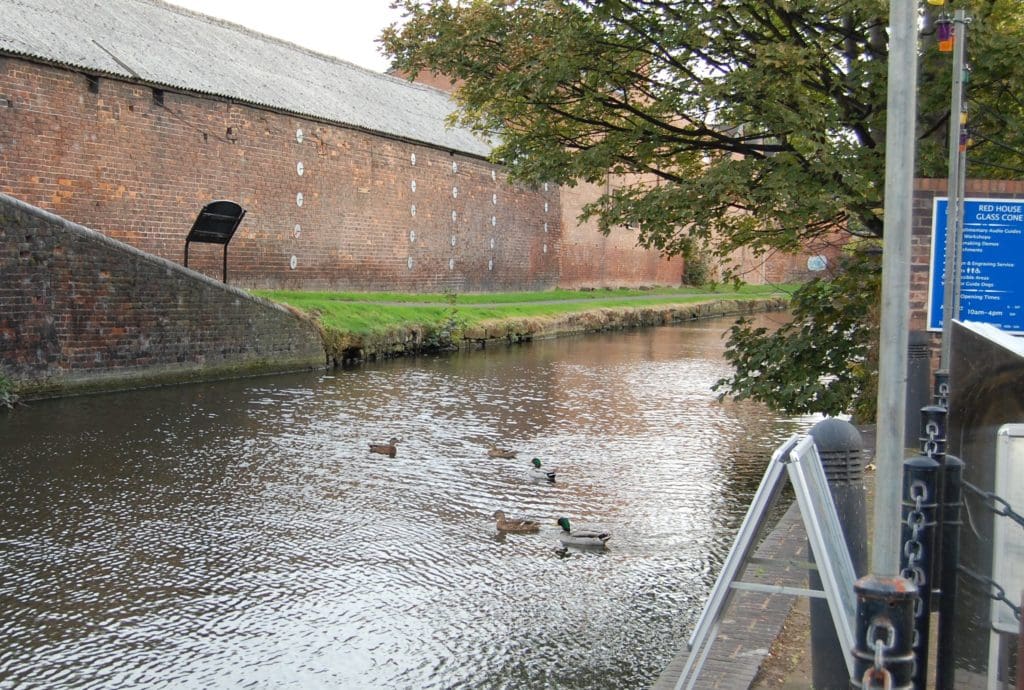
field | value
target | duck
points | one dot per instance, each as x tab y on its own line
495	452
581	538
517	525
387	449
539	473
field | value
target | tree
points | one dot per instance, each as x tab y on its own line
751	123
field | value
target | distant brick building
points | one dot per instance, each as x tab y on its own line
128	116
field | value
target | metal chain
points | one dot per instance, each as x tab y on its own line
879	646
917	521
996	503
999	593
931	445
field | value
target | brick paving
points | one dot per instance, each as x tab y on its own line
752	620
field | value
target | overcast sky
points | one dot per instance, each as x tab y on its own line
343	28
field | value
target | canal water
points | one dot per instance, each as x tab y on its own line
240	534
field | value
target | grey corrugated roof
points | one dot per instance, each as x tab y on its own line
160	44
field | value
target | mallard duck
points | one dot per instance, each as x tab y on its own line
387	449
494	452
580	537
515	524
539	473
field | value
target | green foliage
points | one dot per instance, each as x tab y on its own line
697	269
825	359
8	398
736	123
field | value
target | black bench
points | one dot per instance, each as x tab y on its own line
216	224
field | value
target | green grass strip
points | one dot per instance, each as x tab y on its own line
377	313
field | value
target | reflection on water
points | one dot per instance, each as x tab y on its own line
240	533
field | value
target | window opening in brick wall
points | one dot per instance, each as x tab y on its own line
93	83
158	96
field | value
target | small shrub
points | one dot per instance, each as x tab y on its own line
8	398
696	270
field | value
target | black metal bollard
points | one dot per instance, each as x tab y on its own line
882	656
840	448
949	538
918	363
917	534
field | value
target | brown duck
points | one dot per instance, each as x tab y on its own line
387	449
517	525
495	452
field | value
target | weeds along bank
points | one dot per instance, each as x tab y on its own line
462	329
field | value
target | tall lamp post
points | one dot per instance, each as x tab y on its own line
894	336
955	187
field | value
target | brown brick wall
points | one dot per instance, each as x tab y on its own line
591	259
138	171
83	311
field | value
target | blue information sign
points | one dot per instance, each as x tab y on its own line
991	275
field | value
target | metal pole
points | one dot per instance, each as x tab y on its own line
954	200
949	533
892	361
961	173
1020	649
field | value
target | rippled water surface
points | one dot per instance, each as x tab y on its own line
239	534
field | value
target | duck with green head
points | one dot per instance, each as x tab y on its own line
540	473
581	538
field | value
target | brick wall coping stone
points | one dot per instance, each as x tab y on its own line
93	235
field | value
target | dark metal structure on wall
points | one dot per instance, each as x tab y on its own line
986	392
216	224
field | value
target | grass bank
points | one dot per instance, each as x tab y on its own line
359	326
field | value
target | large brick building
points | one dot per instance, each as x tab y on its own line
127	116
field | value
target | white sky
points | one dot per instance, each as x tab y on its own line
343	28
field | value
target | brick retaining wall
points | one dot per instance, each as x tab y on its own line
83	311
